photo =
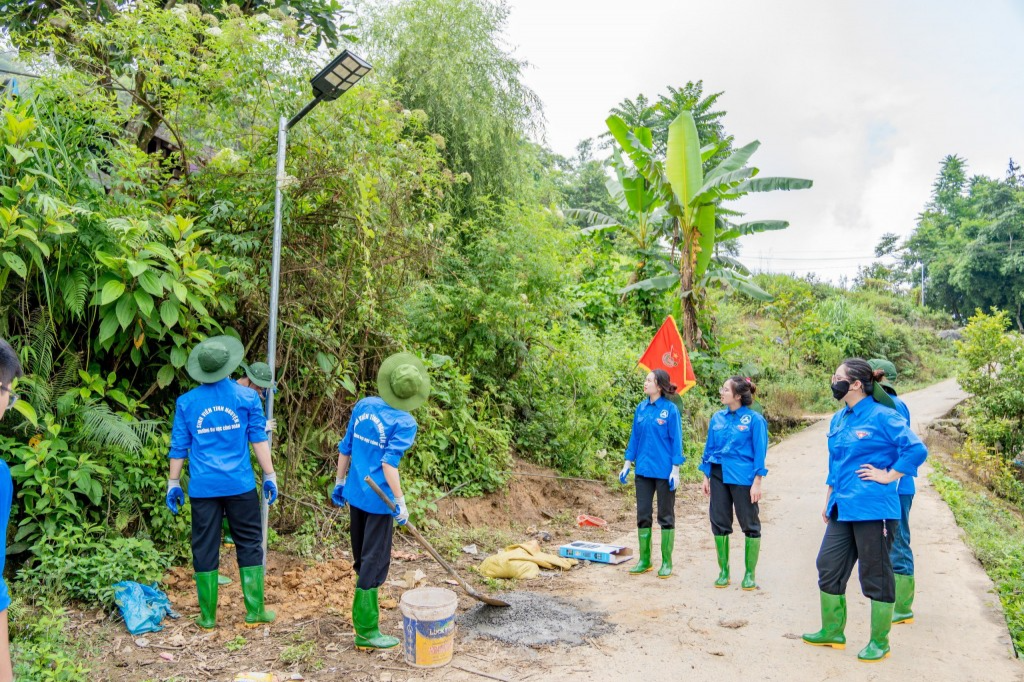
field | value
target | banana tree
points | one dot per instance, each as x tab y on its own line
643	223
691	199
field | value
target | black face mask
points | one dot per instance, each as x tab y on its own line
840	389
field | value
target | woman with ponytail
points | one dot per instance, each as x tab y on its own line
733	466
870	448
656	447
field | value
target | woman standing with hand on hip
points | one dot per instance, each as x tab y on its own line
870	447
656	447
733	466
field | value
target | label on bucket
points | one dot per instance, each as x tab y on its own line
429	643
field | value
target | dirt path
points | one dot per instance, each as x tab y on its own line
683	628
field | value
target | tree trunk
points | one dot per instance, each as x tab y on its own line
687	265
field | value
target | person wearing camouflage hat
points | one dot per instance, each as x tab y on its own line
902	555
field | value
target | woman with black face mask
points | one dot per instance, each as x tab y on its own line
870	447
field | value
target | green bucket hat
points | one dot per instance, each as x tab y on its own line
403	382
215	358
259	374
885	366
880	396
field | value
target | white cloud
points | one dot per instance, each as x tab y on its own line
864	98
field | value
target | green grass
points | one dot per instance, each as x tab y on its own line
995	532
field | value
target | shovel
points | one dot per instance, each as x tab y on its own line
433	552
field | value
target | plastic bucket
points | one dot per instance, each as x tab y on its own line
428	618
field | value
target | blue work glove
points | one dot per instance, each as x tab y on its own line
270	487
338	496
624	474
673	479
401	512
175	495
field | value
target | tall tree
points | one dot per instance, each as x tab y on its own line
321	20
449	61
692	199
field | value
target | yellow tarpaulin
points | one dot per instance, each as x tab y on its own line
522	562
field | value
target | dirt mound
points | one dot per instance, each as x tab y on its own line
294	590
533	495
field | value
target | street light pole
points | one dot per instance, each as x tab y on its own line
334	80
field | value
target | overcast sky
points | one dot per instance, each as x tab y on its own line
865	98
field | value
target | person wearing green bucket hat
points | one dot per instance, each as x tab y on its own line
257	377
214	425
870	447
380	430
902	555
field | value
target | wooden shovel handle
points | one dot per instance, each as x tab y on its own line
419	538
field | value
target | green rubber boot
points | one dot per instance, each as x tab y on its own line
668	541
226	529
252	593
223	580
881	623
643	564
753	550
833	622
902	612
206	586
366	621
722	547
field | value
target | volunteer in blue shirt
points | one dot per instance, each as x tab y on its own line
733	467
258	378
10	369
380	430
902	556
656	447
214	424
870	447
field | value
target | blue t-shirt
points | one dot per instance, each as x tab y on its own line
738	440
213	426
906	485
869	433
656	442
6	498
377	434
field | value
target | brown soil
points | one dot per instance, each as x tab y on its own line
312	635
533	499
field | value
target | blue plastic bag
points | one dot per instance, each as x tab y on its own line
142	606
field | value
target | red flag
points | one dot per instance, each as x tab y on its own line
667	352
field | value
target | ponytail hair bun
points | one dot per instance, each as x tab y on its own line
744	388
665	384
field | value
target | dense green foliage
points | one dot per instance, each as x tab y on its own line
418	216
970	240
992	369
995	533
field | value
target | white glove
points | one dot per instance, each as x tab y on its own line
624	474
401	512
673	478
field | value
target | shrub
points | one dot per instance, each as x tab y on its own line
84	564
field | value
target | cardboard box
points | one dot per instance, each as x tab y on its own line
595	551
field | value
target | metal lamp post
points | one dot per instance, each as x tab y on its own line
332	82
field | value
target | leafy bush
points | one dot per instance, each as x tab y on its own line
993	373
460	442
84	564
40	648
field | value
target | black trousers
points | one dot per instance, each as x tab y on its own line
371	536
724	498
243	513
867	543
645	489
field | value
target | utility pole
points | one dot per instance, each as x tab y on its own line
922	284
